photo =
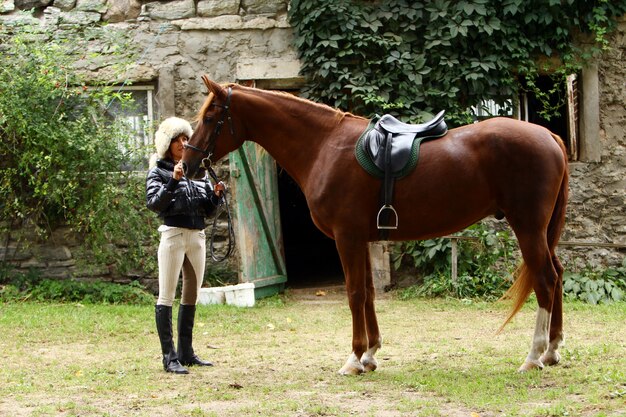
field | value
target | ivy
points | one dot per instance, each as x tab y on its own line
412	59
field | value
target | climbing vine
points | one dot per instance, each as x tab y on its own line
411	57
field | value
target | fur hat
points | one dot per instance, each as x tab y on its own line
169	129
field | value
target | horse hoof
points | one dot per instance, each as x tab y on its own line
550	358
369	364
351	371
352	366
530	365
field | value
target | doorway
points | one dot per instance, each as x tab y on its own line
310	256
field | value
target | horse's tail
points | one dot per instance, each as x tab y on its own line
523	284
557	221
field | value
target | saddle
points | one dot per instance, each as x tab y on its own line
389	149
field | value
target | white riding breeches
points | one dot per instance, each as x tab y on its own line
181	249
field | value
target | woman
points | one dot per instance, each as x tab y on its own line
183	205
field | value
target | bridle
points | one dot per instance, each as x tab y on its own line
206	164
208	152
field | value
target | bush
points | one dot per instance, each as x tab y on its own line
30	286
63	152
483	264
596	286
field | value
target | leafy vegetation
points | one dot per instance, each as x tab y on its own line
596	285
31	286
485	261
415	58
485	264
63	152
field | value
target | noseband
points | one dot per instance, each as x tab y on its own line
208	152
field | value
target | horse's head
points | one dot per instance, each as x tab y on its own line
214	134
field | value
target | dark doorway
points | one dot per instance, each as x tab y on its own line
311	257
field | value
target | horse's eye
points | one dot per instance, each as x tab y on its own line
208	119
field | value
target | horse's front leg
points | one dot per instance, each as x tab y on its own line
371	322
353	256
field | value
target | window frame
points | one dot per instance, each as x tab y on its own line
144	139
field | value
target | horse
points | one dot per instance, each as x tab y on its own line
499	166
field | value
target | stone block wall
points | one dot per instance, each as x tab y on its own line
597	203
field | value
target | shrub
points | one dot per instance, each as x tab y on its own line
484	262
63	152
30	286
595	285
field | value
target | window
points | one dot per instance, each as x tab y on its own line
490	108
139	118
562	100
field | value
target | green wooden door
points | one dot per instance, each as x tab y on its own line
259	235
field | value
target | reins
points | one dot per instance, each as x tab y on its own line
222	206
206	164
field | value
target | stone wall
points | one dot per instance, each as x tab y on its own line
178	40
235	40
597	204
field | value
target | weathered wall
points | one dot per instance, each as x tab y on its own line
251	39
597	205
179	40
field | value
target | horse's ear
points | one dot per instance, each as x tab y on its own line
214	87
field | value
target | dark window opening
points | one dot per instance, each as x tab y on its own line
563	101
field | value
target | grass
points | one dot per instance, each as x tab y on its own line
280	358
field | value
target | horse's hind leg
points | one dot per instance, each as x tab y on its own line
371	322
544	279
552	356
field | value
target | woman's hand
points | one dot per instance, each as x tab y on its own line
219	189
178	170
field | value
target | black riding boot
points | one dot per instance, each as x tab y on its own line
163	315
186	315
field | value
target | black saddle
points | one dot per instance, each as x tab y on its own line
400	136
389	149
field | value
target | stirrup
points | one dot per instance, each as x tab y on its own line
384	208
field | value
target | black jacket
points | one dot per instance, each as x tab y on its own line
181	203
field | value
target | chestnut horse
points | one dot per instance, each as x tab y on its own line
498	166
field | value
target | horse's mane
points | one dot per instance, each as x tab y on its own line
282	94
205	106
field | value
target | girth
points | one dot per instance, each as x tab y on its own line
389	149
